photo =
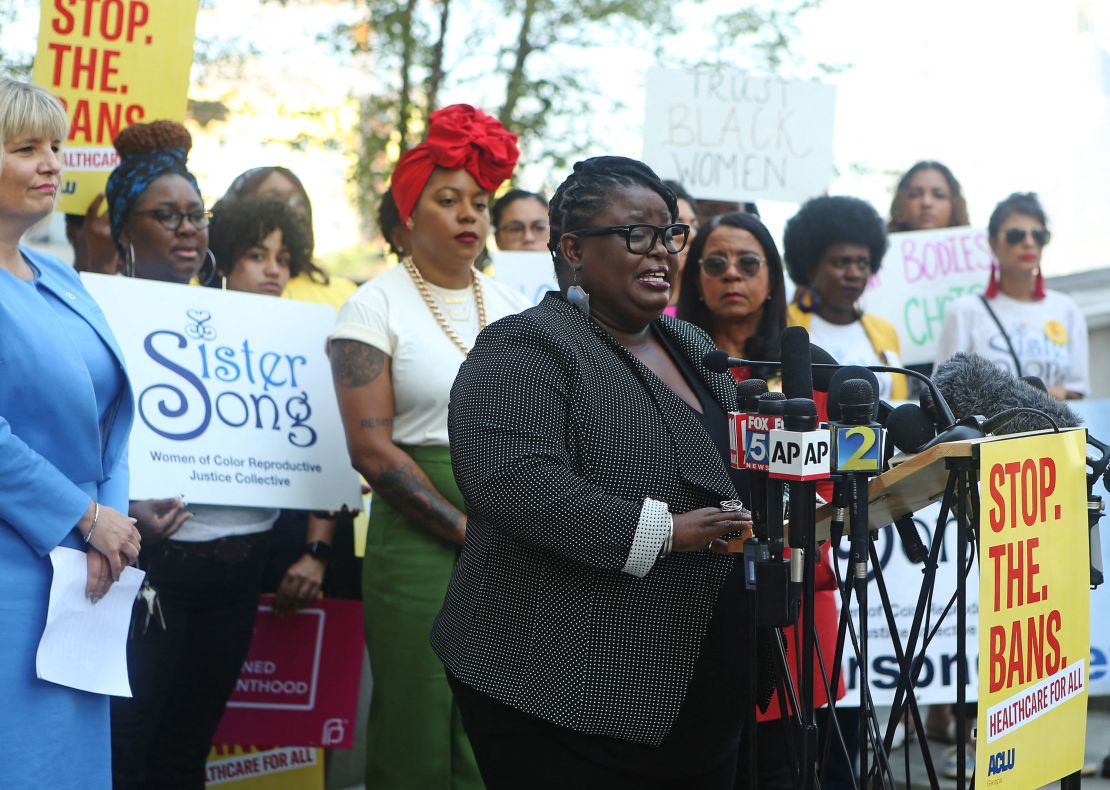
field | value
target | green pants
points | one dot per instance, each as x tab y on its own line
414	736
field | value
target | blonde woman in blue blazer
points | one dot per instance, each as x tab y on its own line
65	413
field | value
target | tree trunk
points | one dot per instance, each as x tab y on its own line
514	86
435	77
408	55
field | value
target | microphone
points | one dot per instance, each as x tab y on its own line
975	386
1035	381
797	373
857	444
944	418
747	400
909	428
844	374
822	363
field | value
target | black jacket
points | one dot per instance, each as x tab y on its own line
558	434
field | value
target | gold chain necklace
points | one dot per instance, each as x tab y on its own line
437	314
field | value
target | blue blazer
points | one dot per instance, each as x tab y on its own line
51	459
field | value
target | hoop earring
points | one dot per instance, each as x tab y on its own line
207	279
577	296
129	261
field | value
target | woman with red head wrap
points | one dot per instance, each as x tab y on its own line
395	350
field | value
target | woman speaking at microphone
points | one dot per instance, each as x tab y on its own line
592	634
395	350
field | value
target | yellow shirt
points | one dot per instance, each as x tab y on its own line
304	288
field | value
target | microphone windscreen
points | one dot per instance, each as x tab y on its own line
822	377
1035	381
909	427
797	377
716	361
748	392
846	374
973	386
800	407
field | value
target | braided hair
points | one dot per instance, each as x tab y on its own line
585	192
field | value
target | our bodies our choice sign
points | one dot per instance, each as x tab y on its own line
728	135
233	394
112	63
922	272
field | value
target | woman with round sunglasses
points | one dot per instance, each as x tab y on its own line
833	246
1016	322
594	629
733	288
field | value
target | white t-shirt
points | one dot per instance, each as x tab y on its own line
212	522
849	345
389	314
1049	337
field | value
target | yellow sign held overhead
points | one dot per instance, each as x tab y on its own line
112	63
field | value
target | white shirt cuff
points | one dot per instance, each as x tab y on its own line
654	527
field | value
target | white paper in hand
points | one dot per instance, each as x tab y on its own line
84	645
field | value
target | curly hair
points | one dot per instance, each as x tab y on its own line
145	137
824	221
239	225
765	342
583	195
959	214
1018	203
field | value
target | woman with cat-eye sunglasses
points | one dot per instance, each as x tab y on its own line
1016	322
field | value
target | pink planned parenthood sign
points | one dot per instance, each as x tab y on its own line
299	684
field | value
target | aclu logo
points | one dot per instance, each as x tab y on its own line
334	732
1000	762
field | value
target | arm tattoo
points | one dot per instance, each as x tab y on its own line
355	364
413	495
376	422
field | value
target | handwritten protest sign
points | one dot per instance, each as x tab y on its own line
233	394
112	63
732	136
1034	617
922	272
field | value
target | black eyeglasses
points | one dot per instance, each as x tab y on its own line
1015	236
640	239
171	218
749	265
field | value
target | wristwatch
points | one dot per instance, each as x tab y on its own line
318	549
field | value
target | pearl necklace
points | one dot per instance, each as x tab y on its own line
441	319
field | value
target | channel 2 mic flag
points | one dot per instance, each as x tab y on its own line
857	448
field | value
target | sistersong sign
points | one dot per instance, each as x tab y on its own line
234	397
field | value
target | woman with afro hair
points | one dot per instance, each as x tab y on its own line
833	246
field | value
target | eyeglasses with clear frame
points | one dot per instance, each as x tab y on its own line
640	239
171	218
517	230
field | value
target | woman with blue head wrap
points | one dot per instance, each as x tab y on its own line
157	215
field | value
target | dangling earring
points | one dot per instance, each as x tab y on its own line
577	296
129	261
208	278
807	299
993	283
223	283
409	224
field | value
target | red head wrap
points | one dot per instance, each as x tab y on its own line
459	138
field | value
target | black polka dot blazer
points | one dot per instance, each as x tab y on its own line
569	451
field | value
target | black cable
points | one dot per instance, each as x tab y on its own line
1008	415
